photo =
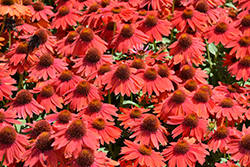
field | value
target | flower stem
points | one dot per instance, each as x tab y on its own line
209	57
9	38
155	47
173	7
121	100
3	25
1	164
109	97
111	151
20	83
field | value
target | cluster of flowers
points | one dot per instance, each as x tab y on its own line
63	67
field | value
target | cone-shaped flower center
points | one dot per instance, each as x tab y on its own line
2	117
46	60
135	113
145	150
151	21
71	36
43	141
27	2
38	6
190	31
66	75
150	74
187	14
154	55
191	85
47	91
127	31
41	126
42	34
181	147
232	13
99	123
207	88
178	97
123	72
222	132
143	12
245	61
227	103
22	47
110	26
104	68
19	22
64	10
87	34
163	71
245	141
221	27
191	120
105	3
150	123
138	64
8	135
23	97
93	55
232	88
83	88
64	117
201	96
187	72
244	41
79	29
77	129
7	2
95	106
116	10
202	6
93	7
233	166
85	158
185	40
246	21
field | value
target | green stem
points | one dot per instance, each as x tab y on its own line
9	38
20	83
28	119
121	100
173	7
155	47
1	164
3	25
226	121
109	97
209	57
68	107
112	153
131	97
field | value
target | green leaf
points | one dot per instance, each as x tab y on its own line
230	4
212	48
125	102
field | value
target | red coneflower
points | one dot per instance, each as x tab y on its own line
63	45
107	31
154	27
80	4
85	40
92	16
68	3
222	32
65	17
121	79
81	95
241	68
12	144
11	8
24	104
128	37
189	125
96	108
131	115
188	17
244	22
48	98
149	131
47	66
24	28
8	118
155	57
40	11
185	153
91	61
229	59
156	4
42	153
191	85
74	137
187	49
65	81
6	87
240	45
141	154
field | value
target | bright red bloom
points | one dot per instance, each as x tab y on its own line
12	144
63	45
244	22
155	28
11	8
187	49
149	131
24	28
65	17
185	153
131	115
91	61
8	118
141	154
241	68
222	32
156	4
189	125
121	79
108	31
229	59
65	81
6	87
47	66
153	57
74	137
69	3
190	17
128	37
40	11
42	153
81	95
24	104
85	40
79	4
96	108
